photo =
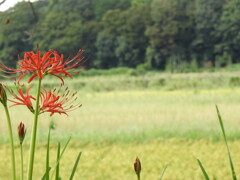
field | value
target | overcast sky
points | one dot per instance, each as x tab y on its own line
8	3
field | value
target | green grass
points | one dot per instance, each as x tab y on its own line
149	80
128	116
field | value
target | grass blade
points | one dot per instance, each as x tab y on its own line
203	170
64	148
75	165
225	139
58	166
47	155
44	176
165	168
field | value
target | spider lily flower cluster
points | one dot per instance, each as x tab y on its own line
39	66
52	101
50	63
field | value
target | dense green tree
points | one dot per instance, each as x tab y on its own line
161	33
113	21
229	29
171	33
68	27
207	19
16	34
126	53
88	40
64	33
140	1
107	39
83	8
132	42
126	29
102	6
106	44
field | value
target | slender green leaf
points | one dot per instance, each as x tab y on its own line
203	170
165	168
64	148
58	166
44	176
75	165
225	139
47	156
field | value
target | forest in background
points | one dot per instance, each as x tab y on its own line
150	34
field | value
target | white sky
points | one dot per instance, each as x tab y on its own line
9	3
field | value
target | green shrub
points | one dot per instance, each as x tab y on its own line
142	83
234	81
106	72
137	72
161	82
145	66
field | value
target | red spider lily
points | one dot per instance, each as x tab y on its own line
22	99
49	101
50	63
54	103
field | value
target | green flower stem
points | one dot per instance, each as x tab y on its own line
11	141
21	177
138	176
34	135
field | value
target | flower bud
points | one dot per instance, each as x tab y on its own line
137	166
21	132
3	95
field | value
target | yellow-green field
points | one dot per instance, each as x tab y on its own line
115	161
160	127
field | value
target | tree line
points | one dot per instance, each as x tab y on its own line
152	34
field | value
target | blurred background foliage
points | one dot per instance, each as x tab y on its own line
150	34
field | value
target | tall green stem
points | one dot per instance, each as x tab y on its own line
21	177
11	141
34	135
138	176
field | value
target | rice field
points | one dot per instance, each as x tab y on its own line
160	127
115	161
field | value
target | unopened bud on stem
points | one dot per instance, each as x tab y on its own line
137	167
3	95
21	132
